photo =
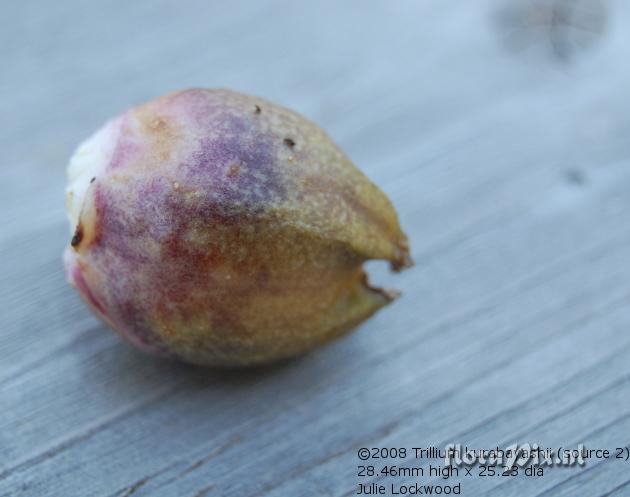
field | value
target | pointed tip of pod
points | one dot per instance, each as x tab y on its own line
401	259
388	294
383	295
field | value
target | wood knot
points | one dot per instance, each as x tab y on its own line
557	29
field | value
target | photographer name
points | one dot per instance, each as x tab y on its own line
411	489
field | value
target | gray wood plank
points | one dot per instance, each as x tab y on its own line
508	165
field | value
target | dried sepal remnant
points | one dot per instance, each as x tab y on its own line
203	239
78	236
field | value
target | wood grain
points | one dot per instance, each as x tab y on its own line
508	159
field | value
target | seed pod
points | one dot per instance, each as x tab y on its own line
221	229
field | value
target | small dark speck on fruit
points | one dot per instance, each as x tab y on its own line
257	109
78	236
93	179
289	142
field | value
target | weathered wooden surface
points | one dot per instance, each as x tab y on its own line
503	142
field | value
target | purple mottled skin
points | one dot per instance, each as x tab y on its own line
224	230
